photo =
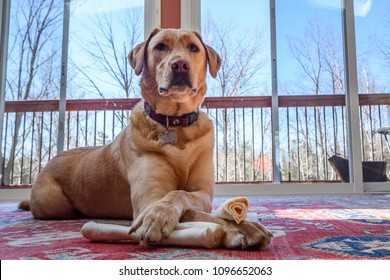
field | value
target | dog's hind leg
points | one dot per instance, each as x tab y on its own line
49	202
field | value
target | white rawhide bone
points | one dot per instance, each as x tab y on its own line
235	209
198	234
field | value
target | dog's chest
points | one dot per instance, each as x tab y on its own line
168	137
185	159
181	156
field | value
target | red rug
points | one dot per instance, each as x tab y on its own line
306	227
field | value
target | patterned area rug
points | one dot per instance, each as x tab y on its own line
305	227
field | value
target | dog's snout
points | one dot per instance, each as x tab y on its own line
181	65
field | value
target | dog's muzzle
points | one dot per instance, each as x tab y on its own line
181	80
180	76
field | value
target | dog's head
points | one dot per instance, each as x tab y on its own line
173	63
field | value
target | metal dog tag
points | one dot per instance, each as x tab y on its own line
169	137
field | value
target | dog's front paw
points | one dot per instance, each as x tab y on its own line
155	223
247	235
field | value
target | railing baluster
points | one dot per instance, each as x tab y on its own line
253	146
335	123
316	127
68	132
23	142
243	140
4	147
344	132
86	128
50	133
226	143
14	142
288	145
104	127
32	148
262	153
371	133
77	128
308	175
324	156
216	143
362	125
40	143
298	143
235	143
95	129
122	122
380	138
113	126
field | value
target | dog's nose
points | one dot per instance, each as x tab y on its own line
181	65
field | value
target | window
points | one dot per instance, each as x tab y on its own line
242	40
34	50
372	27
310	50
243	135
34	59
293	117
311	63
101	35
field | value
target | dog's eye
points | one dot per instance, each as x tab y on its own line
193	48
161	47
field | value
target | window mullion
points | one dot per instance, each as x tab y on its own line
352	98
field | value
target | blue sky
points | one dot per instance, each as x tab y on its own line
293	17
372	24
249	15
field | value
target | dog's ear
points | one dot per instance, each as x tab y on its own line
136	58
213	59
137	55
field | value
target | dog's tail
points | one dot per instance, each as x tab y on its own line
25	205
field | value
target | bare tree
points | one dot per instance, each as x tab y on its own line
319	55
103	69
383	43
241	58
308	50
107	51
31	74
373	146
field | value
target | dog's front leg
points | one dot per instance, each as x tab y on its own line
158	201
157	221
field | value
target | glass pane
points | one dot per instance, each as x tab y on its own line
243	150
34	52
243	42
309	46
310	62
372	27
33	73
102	33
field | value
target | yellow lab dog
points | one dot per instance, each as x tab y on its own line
159	169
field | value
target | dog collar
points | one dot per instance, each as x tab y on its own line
183	121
